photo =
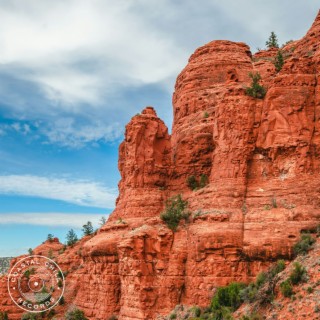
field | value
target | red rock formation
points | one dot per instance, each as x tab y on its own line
144	162
262	162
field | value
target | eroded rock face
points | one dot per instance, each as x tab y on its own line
262	160
144	164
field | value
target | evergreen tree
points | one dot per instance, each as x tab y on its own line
279	61
103	220
87	228
30	251
272	41
50	237
256	90
71	238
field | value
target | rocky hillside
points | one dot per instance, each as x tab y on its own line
285	291
247	170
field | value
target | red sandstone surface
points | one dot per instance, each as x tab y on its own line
262	159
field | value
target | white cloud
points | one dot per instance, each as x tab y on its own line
72	220
67	133
54	43
83	193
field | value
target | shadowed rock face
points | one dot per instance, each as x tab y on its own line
262	160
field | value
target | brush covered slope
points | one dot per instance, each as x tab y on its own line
253	166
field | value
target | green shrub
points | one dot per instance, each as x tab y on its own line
203	181
224	313
249	293
228	296
173	316
279	61
277	268
286	288
261	279
253	316
256	90
75	314
4	315
192	183
297	274
206	115
309	289
175	211
62	301
29	316
304	244
196	311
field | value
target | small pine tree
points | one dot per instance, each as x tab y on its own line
87	229
272	41
103	220
279	61
256	90
71	238
50	237
30	251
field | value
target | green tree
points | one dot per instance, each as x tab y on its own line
272	42
175	211
71	238
87	228
256	90
50	237
30	251
279	61
102	221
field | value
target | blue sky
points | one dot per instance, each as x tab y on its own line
73	73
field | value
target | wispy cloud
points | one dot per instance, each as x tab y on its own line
76	50
72	220
83	193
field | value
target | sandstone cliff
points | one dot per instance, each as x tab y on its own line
262	160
